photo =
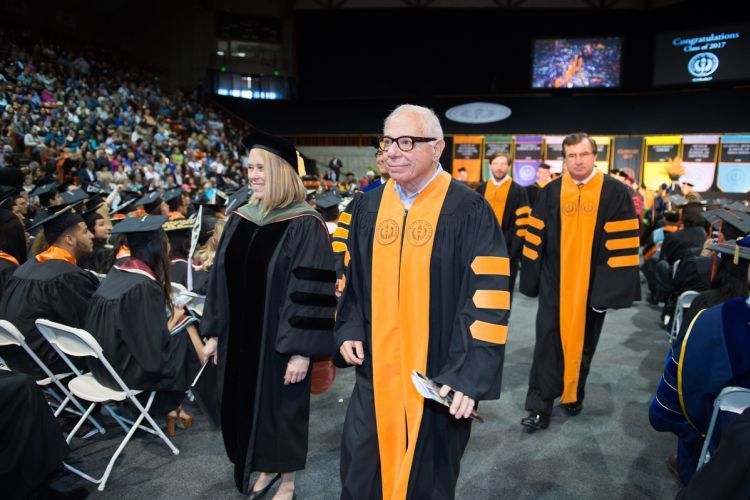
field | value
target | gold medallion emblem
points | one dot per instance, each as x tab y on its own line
570	208
419	233
387	232
588	208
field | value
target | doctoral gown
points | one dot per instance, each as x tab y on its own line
713	354
57	290
510	203
427	290
580	258
270	296
128	318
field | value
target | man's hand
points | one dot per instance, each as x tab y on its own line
209	350
462	405
296	369
353	352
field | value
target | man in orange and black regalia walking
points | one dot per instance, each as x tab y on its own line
511	206
580	259
427	290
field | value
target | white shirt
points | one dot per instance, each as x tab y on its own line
584	181
408	199
501	181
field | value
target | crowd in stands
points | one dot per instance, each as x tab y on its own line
62	111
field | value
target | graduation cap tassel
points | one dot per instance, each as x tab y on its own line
193	245
300	165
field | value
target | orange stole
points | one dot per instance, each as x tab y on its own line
402	251
497	196
8	257
578	211
56	253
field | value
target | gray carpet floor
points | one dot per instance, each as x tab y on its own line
608	451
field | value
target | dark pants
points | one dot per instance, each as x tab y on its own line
546	377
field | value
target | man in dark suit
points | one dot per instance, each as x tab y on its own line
335	165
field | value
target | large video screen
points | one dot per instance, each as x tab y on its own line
697	56
566	63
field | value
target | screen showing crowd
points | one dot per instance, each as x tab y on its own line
577	63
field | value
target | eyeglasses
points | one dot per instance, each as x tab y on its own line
583	156
405	142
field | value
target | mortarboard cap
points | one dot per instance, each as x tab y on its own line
57	220
178	225
145	224
739	248
278	146
328	200
44	189
71	197
734	224
8	193
150	201
172	194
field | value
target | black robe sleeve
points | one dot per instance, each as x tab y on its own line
514	235
215	319
350	322
615	286
534	246
475	362
308	310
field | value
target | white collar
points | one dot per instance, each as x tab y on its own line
584	181
502	181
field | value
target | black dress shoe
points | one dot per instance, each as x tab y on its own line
573	409
536	420
260	493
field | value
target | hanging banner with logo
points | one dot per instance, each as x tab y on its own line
527	154
603	152
628	153
467	155
699	153
494	143
734	164
553	152
661	153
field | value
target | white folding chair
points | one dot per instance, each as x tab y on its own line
77	342
9	335
684	301
734	399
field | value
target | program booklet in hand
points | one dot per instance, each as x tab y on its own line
430	390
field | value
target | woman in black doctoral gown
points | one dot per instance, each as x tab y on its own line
271	303
129	318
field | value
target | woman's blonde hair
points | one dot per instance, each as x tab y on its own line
283	185
205	255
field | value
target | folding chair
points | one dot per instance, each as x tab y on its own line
77	342
734	399
9	335
684	301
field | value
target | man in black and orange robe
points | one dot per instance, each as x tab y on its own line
580	259
511	206
427	291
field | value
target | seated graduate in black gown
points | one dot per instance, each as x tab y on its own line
179	233
51	286
132	317
32	446
271	304
102	256
12	246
